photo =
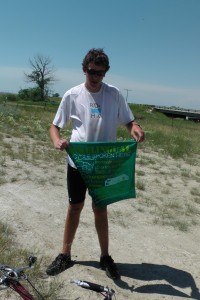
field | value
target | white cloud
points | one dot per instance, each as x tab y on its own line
143	92
12	80
67	78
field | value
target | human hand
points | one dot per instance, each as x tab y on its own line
61	144
137	133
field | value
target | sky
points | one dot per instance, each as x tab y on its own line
153	45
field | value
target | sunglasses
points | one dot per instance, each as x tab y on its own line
95	72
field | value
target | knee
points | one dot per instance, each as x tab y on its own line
75	209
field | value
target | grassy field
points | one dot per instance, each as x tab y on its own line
24	137
179	138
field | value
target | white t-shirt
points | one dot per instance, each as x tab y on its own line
95	116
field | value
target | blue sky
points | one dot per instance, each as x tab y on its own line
153	45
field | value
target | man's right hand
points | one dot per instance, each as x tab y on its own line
61	144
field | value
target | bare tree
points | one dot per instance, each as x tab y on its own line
42	74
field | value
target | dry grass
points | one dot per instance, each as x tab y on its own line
168	163
25	142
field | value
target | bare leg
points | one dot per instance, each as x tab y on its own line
71	225
101	224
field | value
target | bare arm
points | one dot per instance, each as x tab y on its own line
59	144
136	131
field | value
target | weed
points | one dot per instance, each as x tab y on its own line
10	254
140	172
166	191
198	173
197	200
140	185
195	192
185	173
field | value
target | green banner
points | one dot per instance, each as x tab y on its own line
108	169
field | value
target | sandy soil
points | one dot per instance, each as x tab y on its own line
156	261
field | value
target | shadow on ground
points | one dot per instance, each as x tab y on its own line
151	272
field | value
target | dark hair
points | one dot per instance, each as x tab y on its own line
96	56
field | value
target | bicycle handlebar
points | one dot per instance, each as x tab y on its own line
95	287
9	273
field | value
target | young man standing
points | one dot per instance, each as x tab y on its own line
95	110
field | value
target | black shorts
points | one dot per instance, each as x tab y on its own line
76	186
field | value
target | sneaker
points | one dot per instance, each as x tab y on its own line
60	264
107	264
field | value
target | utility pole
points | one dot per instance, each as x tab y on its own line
127	90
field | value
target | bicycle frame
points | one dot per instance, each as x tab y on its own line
11	276
20	289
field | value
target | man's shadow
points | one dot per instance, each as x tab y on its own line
151	272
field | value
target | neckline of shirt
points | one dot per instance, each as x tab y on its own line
96	93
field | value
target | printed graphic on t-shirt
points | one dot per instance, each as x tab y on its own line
95	110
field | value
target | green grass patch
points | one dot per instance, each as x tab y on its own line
12	256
